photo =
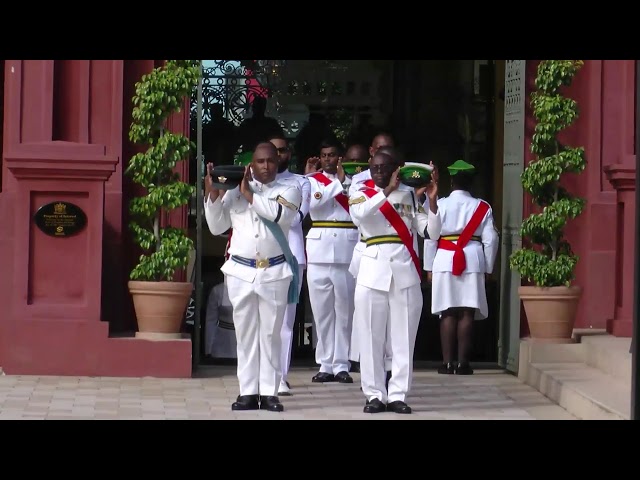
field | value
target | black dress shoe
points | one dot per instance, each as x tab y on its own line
398	407
446	369
464	369
386	383
343	377
374	406
323	377
271	404
246	402
355	367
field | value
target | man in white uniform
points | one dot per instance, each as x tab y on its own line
388	295
380	141
259	275
296	242
459	261
330	244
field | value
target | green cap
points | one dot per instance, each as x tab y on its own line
415	174
460	166
351	168
244	158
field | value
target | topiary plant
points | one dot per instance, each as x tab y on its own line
158	95
549	260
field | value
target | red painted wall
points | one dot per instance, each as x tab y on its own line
603	235
64	125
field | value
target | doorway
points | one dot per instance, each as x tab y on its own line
437	110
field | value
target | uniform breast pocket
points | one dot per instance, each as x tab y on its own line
314	234
371	252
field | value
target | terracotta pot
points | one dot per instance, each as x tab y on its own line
160	307
550	312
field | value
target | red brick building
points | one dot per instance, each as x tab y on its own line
65	304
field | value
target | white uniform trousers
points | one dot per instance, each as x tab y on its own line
397	311
258	312
354	353
331	290
286	334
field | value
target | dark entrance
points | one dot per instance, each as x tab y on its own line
437	110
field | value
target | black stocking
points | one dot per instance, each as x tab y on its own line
448	333
465	338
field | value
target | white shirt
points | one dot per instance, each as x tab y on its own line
456	210
326	244
296	235
382	263
276	201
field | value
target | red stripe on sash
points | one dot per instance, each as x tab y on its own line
341	198
459	260
398	224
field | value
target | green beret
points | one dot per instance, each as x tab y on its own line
460	166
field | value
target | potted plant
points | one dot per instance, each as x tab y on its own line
159	301
546	259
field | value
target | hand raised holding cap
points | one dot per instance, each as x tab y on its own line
393	183
210	191
311	165
341	174
434	174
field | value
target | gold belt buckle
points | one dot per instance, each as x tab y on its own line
263	263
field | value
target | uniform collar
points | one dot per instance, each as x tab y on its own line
461	193
260	186
284	174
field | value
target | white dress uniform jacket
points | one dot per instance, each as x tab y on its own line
296	243
330	244
357	182
468	289
257	277
388	292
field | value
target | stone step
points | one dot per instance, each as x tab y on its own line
582	390
610	355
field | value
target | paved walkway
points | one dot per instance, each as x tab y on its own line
488	394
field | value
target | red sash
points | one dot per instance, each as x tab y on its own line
459	260
398	224
341	198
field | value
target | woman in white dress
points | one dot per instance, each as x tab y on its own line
457	264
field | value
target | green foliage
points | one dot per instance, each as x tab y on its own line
549	261
158	95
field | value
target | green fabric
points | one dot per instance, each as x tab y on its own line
351	168
244	158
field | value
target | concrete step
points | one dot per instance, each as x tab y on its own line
610	355
590	379
583	391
